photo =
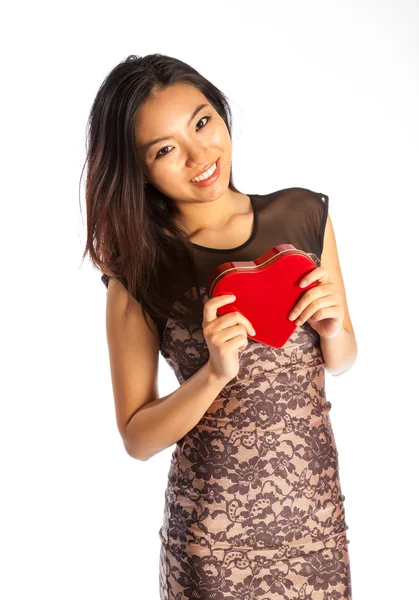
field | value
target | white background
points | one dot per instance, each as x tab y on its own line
324	95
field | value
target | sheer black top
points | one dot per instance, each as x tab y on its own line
290	216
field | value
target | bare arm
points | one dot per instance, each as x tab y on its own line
162	422
339	352
149	424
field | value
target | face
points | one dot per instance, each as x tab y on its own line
190	147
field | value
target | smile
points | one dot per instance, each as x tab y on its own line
208	177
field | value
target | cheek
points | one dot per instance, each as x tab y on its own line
221	138
166	175
165	169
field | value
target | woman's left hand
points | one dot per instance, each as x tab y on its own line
321	306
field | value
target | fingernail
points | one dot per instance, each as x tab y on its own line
303	283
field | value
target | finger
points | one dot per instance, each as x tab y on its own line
309	296
236	317
210	307
319	304
317	274
328	312
249	326
229	333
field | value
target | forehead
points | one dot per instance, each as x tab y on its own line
166	110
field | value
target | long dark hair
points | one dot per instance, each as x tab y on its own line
131	232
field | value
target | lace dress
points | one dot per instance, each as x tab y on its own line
253	508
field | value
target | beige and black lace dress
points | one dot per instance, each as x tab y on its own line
253	507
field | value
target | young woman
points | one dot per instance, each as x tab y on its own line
253	506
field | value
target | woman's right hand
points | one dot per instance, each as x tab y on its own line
225	336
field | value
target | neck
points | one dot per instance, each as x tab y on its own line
199	216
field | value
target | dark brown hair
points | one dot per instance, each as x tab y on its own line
131	234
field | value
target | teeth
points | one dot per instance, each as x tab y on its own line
206	174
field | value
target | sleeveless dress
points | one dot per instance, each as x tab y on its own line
253	508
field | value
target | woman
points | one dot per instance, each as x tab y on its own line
253	506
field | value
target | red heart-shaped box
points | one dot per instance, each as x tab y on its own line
266	290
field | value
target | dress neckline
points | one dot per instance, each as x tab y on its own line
251	238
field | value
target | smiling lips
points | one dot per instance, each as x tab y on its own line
209	180
207	168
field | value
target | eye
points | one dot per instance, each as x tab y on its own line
208	117
158	155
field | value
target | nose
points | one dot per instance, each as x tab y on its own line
198	157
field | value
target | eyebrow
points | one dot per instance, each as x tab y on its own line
146	147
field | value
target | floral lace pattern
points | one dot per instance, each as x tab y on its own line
253	506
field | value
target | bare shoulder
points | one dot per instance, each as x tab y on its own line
133	354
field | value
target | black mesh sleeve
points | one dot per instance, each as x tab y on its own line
160	322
